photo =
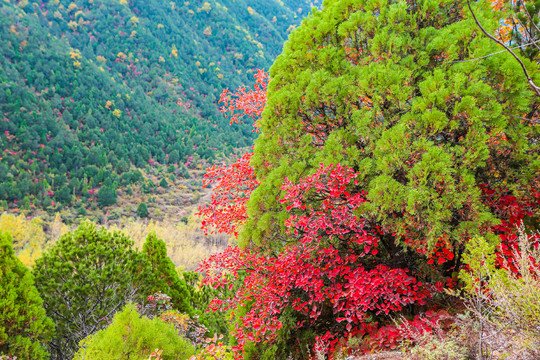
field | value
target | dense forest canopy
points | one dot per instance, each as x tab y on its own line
90	88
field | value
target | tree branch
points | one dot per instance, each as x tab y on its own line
495	53
530	19
529	79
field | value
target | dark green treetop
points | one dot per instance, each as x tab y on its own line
164	275
84	279
390	89
106	195
142	210
24	326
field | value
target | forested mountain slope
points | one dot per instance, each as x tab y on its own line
89	88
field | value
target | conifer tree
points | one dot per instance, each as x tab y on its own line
84	279
142	210
398	91
132	337
106	195
24	326
164	276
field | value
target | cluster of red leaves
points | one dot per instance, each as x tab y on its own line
326	209
389	337
234	184
442	253
246	103
512	212
326	276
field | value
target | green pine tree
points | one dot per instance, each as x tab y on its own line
387	88
132	337
84	279
25	329
165	277
106	196
142	210
164	184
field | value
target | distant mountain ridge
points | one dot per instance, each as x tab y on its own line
91	87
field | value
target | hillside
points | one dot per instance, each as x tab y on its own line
91	90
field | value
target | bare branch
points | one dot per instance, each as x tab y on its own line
528	31
495	53
529	79
530	18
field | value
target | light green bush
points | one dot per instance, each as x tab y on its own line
505	304
132	337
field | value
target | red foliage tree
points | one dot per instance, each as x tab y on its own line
339	270
226	211
246	103
512	212
329	276
234	183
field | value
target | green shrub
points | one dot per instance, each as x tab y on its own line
84	279
505	304
24	327
132	337
165	277
142	210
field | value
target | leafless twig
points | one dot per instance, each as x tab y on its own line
495	53
529	79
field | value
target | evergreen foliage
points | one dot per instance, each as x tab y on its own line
387	89
132	337
84	279
90	85
164	184
106	196
388	126
165	278
24	327
201	296
142	210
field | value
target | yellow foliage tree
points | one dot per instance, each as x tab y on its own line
73	25
117	113
75	54
121	56
208	31
206	7
108	104
57	228
174	52
28	236
186	243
